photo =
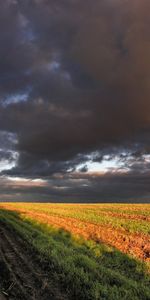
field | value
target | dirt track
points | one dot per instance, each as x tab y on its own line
21	276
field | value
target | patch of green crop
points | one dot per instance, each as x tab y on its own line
95	213
86	270
95	216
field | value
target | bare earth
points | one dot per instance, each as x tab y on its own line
137	245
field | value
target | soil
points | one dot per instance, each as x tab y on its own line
135	244
127	216
21	275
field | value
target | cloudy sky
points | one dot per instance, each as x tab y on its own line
75	100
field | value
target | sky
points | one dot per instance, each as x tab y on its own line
75	100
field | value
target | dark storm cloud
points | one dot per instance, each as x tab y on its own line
84	188
7	140
75	79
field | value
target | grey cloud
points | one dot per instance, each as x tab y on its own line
85	69
83	188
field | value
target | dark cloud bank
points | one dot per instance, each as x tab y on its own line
75	86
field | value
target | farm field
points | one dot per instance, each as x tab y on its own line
74	251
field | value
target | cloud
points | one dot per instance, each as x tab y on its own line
81	187
75	81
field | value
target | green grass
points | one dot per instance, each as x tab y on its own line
86	270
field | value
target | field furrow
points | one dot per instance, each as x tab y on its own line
74	252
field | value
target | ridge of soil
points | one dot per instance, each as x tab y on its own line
126	216
136	244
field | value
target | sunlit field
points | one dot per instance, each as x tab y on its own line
94	251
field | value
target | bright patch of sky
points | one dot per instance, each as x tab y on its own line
15	98
27	182
104	166
146	158
6	164
114	164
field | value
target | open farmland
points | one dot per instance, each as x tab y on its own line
67	251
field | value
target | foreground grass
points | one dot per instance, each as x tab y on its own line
98	214
86	270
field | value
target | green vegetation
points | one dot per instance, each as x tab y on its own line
86	270
98	214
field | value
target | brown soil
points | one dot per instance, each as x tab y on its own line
127	216
137	245
21	275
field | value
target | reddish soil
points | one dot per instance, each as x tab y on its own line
19	278
138	245
126	216
135	244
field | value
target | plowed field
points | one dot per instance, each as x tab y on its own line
126	227
85	252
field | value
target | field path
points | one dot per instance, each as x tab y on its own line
22	276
